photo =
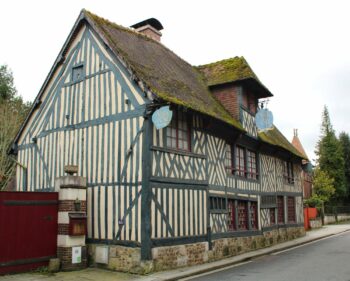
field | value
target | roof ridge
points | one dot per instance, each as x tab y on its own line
133	31
219	61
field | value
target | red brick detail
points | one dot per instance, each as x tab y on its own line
65	256
63	229
227	95
68	206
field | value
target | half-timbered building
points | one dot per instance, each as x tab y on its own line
206	186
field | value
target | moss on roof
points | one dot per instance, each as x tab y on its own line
231	70
275	137
227	70
165	74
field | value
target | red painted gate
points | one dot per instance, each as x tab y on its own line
28	230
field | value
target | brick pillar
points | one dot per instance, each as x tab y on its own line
71	248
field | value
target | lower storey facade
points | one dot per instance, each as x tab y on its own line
128	259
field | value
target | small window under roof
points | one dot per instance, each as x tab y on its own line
77	73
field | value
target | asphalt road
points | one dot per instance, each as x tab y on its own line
327	259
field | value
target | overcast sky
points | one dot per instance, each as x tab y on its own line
300	50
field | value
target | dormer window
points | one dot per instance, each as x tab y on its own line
249	101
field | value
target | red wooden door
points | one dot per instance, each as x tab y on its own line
28	230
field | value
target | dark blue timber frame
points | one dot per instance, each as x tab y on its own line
146	199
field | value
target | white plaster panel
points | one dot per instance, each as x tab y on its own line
72	194
63	217
66	240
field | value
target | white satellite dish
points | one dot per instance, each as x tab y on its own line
162	117
264	119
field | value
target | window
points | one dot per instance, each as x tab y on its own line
253	212
272	216
217	203
231	216
245	164
249	101
242	215
251	165
291	209
77	73
240	161
288	176
268	201
178	132
280	209
228	160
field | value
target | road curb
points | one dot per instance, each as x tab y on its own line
243	259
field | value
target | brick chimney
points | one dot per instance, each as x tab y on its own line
150	27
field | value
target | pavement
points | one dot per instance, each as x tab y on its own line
95	274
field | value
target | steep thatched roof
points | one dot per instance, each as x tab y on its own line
276	138
233	70
168	76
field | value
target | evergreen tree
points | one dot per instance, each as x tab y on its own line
345	144
12	113
330	156
7	88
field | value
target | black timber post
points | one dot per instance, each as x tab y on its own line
146	243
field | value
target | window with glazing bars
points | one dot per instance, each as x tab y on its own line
251	165
240	161
217	203
231	215
280	209
242	211
288	176
291	209
272	216
228	160
178	132
253	215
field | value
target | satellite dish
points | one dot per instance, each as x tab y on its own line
264	119
162	117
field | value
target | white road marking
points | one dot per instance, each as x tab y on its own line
214	271
307	243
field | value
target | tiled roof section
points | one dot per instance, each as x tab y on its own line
297	144
275	137
168	76
231	70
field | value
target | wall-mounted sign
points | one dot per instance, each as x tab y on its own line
264	119
162	117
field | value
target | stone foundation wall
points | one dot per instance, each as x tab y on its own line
179	256
227	247
128	259
121	258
